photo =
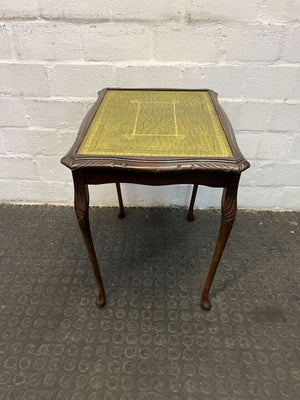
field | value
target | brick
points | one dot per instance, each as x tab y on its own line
216	10
116	42
51	169
285	117
15	141
289	198
12	112
178	42
258	197
264	146
47	41
52	114
273	146
246	115
31	141
272	82
216	77
253	42
9	190
17	167
45	192
74	9
148	76
294	150
287	174
248	143
66	139
259	81
291	51
3	149
80	80
5	49
142	10
293	9
15	9
283	10
24	79
269	173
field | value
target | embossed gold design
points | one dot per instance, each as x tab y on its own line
156	124
148	110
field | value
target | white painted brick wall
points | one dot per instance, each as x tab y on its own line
284	10
258	81
285	117
186	42
291	51
253	42
5	50
74	9
22	167
154	10
294	149
53	113
24	79
47	40
12	112
116	42
148	76
18	9
87	78
33	141
216	10
55	55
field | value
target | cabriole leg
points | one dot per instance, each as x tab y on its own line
229	209
192	203
81	204
121	207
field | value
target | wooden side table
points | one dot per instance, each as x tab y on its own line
156	137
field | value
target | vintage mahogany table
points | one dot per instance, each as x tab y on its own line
156	137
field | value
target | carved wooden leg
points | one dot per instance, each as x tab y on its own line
82	212
121	207
229	209
191	208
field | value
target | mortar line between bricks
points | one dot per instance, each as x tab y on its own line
153	63
70	130
71	99
183	20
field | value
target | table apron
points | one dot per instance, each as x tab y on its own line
206	178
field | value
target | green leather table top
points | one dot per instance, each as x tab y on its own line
156	123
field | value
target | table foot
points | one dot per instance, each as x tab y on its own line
121	214
100	301
205	303
191	217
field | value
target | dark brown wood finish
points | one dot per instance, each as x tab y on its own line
235	164
121	207
192	203
229	209
81	204
214	172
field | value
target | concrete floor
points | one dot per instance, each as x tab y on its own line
152	341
